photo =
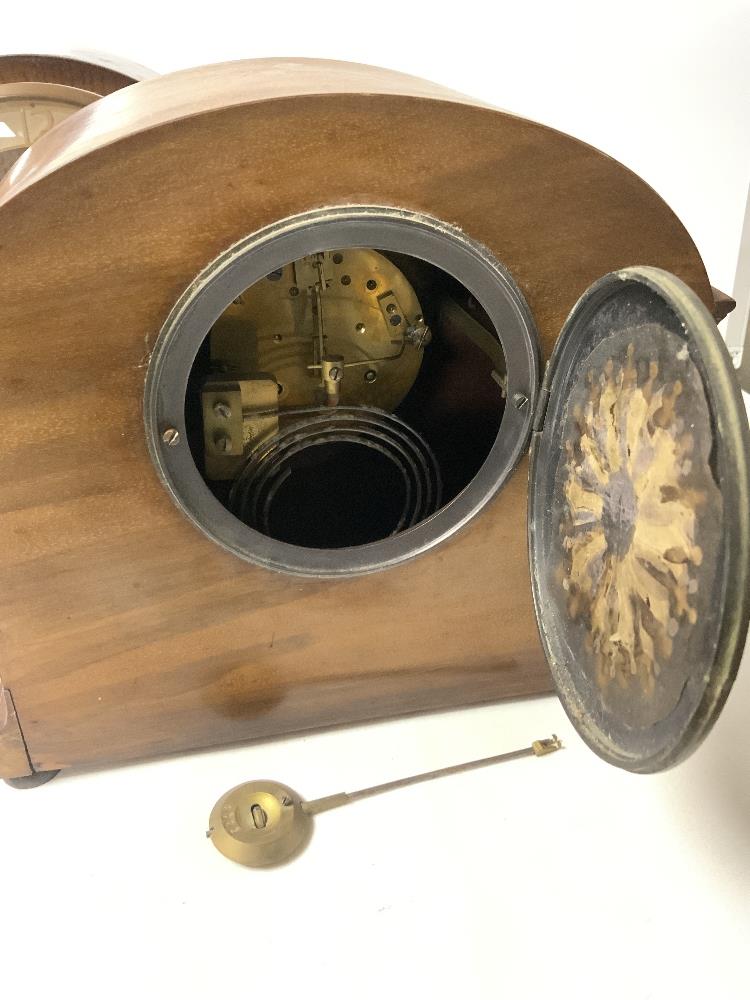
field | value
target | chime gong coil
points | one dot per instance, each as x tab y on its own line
256	487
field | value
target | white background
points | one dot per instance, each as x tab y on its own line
560	877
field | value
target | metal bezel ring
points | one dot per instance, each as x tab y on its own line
251	259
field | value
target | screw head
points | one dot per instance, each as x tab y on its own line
223	442
171	436
370	375
360	328
520	401
334	374
222	409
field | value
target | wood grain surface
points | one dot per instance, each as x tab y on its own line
14	761
125	632
61	70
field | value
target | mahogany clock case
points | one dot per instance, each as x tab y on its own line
127	632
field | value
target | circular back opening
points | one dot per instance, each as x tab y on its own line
342	390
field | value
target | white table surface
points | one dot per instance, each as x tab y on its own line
559	877
538	878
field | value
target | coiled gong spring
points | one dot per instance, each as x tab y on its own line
270	463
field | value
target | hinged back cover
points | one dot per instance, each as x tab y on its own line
639	527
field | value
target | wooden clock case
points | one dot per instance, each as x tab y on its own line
127	633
